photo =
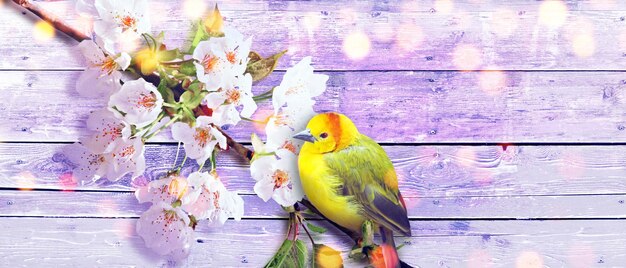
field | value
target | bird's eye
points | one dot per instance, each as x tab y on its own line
324	135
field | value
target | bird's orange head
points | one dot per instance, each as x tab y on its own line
328	132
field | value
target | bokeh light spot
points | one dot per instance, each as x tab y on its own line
356	45
504	22
312	21
194	8
25	180
492	82
552	13
466	156
529	259
444	6
479	259
583	45
466	57
409	37
43	31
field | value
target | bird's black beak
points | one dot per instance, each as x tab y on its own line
305	136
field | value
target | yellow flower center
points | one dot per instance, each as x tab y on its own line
202	136
289	146
108	65
128	151
233	95
209	63
280	177
231	57
146	100
127	22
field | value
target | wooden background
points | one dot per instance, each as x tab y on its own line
522	165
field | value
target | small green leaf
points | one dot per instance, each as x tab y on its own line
187	68
169	55
263	67
315	228
254	57
195	86
191	100
166	92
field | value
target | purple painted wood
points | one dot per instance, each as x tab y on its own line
388	106
124	204
249	243
423	171
403	36
457	186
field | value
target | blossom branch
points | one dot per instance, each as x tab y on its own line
154	79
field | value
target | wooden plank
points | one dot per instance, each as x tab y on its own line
408	107
423	171
113	242
424	36
124	204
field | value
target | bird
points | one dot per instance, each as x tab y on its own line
348	177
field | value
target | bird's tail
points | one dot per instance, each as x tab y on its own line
389	254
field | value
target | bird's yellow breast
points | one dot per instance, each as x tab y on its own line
320	187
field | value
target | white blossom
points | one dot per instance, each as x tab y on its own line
200	140
224	102
102	75
106	129
126	156
140	102
299	84
121	22
166	190
166	230
277	177
212	201
89	165
219	59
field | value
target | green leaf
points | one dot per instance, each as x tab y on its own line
300	253
169	55
191	100
166	92
291	254
281	255
200	35
263	67
187	68
315	228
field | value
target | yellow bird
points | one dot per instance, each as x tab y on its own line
349	178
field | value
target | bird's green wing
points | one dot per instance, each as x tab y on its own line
369	178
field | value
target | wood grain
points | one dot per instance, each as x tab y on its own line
403	36
250	243
423	171
123	204
408	107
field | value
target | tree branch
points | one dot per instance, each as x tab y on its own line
52	19
241	150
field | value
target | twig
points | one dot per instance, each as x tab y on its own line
155	79
237	147
52	19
